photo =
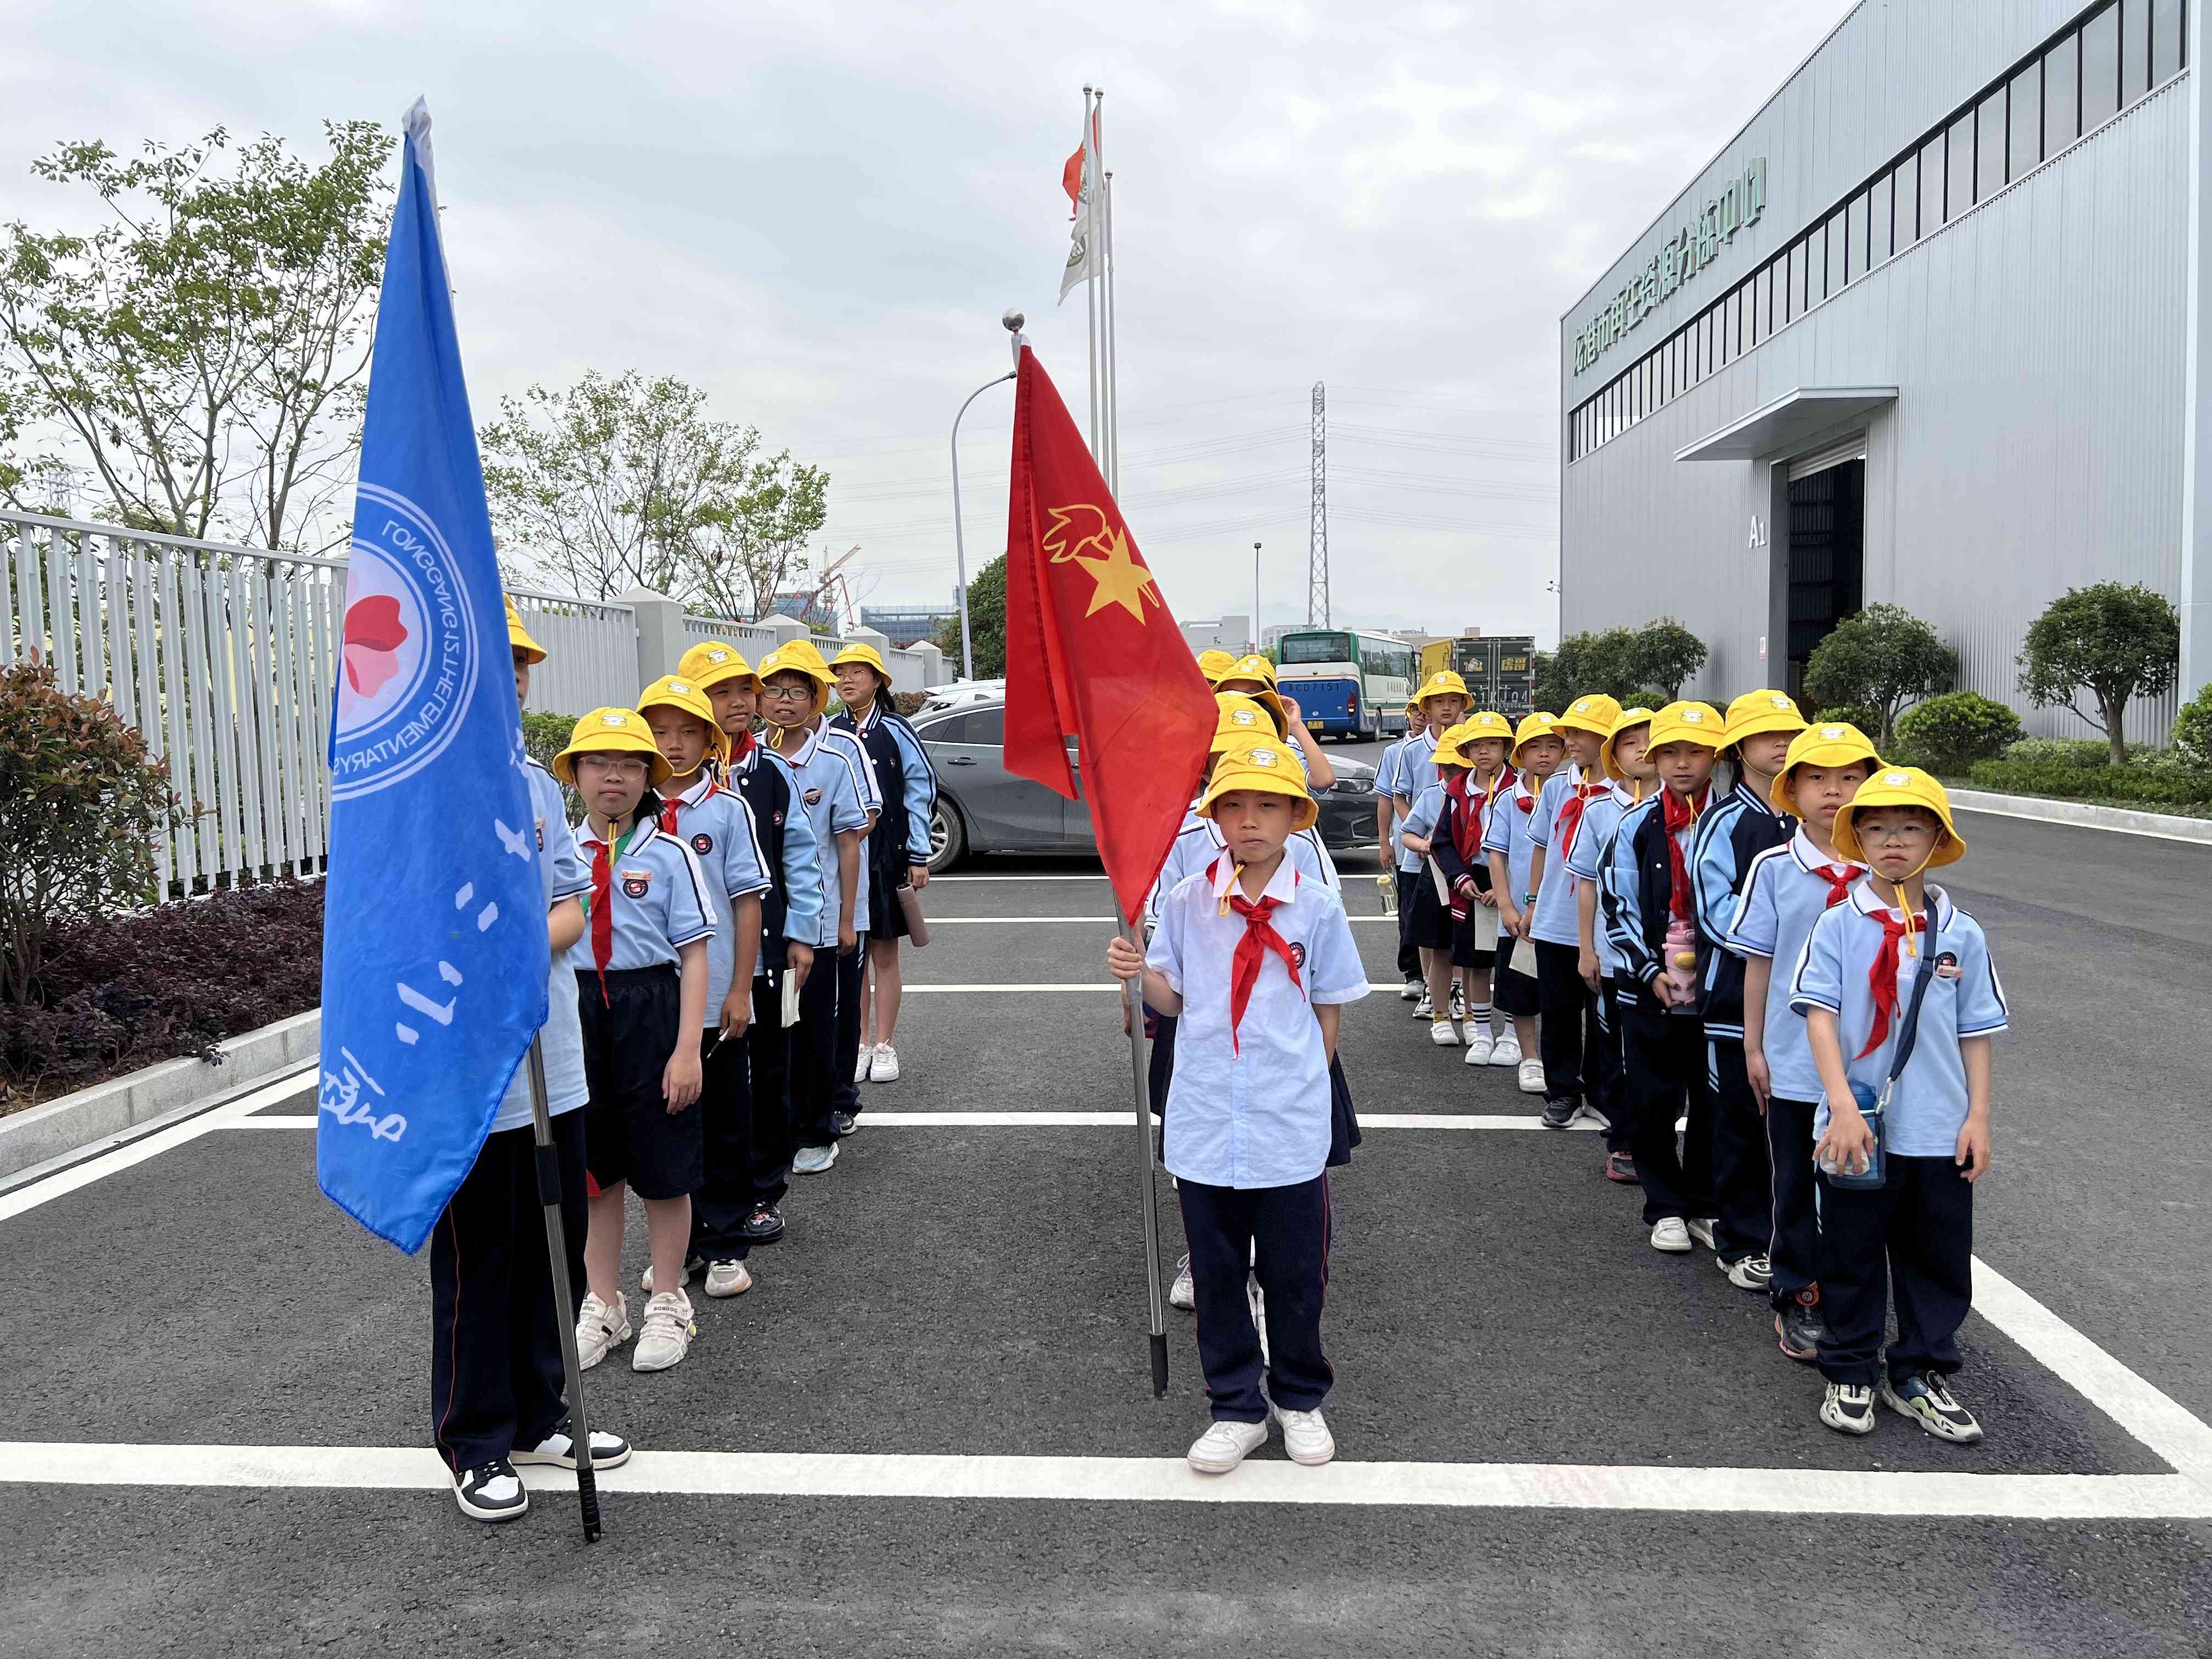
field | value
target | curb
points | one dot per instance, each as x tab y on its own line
60	1126
2165	826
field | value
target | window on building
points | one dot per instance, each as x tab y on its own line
1905	214
1881	225
2134	49
2100	68
2167	42
2026	146
1834	257
1857	236
1755	321
1793	282
1991	125
2062	94
1959	179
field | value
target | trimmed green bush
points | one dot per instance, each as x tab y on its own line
2109	783
2061	751
1957	729
2192	731
546	735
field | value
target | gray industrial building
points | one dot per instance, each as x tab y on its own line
1924	332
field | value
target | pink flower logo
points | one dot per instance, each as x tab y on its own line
374	635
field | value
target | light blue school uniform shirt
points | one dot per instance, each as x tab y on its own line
1199	842
717	825
660	897
1556	920
1586	861
1963	1000
833	788
562	1037
800	872
1511	815
1256	1113
1414	770
1783	895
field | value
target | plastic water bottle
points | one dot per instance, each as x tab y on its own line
1682	964
1870	1108
1388	887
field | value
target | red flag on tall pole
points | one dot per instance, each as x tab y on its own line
1092	652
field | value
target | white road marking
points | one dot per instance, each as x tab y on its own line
1144	1479
872	1118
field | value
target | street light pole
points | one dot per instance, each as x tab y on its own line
1012	321
1256	636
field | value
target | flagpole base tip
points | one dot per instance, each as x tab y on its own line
1159	1365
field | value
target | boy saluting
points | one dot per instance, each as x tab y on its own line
1255	962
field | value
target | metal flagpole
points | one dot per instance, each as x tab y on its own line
564	1306
1093	214
1106	444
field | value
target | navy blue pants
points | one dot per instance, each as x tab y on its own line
1570	1035
1289	1225
1409	952
1911	1237
852	975
768	1046
497	1380
1602	1083
1663	1060
1743	1175
813	1070
1795	1251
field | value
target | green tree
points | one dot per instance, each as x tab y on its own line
1587	664
612	484
202	353
1662	654
2116	640
1883	658
986	622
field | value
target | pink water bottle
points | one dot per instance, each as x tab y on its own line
1682	962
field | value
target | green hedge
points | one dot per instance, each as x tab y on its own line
2163	787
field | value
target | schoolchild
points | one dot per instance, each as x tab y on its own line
1387	818
1567	1008
1739	825
1463	804
1254	961
1429	896
837	790
1650	911
1440	704
716	823
1787	889
497	1379
897	848
1213	664
1538	751
740	1203
640	975
1622	761
1896	942
1255	677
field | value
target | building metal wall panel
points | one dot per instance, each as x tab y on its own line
2035	444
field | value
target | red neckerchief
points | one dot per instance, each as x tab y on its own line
1681	812
1466	818
1260	938
1571	814
603	911
672	805
1839	881
741	744
1881	978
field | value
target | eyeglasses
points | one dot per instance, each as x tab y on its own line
787	693
1879	834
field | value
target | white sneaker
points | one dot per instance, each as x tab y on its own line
1442	1036
1668	1234
1305	1436
814	1160
1532	1077
1424	1009
1480	1043
1506	1051
667	1335
1182	1293
1409	990
885	1067
863	1066
1225	1445
600	1326
728	1279
1701	1229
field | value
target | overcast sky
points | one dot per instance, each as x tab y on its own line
816	211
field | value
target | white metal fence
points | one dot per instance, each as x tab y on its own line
590	652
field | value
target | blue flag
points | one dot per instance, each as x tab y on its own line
435	951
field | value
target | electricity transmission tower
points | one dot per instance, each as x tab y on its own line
1317	535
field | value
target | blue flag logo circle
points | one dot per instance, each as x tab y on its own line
409	652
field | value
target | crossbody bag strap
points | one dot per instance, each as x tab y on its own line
1909	1033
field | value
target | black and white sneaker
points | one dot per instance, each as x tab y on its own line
1459	999
558	1450
842	1124
1424	1008
1929	1403
1848	1408
492	1492
765	1226
1750	1272
1557	1113
1798	1326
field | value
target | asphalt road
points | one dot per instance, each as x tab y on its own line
955	1294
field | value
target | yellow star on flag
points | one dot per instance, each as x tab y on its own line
1122	580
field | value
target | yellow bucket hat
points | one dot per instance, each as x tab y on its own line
1266	767
863	654
1451	744
518	636
1213	665
1628	720
1689	722
1595	713
1443	682
1900	786
672	691
1253	667
799	657
1755	712
1819	745
1532	728
710	663
612	731
1243	718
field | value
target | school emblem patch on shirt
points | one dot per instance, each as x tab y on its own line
702	843
1298	954
813	798
636	883
1947	965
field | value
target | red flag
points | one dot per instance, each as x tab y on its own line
1091	651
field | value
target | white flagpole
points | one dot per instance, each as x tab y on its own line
1109	403
1092	216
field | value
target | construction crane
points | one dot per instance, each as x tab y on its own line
848	616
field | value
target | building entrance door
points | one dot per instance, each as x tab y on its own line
1827	557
